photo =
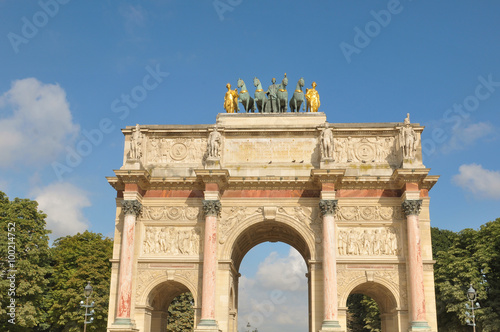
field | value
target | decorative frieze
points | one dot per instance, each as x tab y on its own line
362	241
368	213
212	208
412	206
177	150
327	207
172	241
133	207
170	213
366	149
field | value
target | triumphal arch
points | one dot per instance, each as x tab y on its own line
352	198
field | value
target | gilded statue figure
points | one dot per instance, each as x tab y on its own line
312	97
231	100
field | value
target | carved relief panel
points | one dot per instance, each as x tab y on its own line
368	213
166	150
366	149
173	241
369	241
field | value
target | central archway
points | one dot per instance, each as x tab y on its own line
257	231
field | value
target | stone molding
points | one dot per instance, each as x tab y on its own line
133	207
327	207
412	206
212	208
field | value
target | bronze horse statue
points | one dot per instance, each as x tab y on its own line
244	97
298	97
260	95
282	95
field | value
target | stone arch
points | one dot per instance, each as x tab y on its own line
384	294
281	229
377	288
177	282
157	297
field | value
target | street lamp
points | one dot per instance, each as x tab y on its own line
471	296
87	291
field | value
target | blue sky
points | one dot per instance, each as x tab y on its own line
67	67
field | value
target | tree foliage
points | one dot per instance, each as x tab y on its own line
363	314
76	260
181	313
464	258
23	231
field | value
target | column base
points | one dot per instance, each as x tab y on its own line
122	325
331	325
421	326
207	325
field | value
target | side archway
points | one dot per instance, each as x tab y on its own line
157	297
384	295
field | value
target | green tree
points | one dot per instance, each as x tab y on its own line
181	313
472	258
22	230
363	314
75	260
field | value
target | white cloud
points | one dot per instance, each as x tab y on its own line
478	180
35	123
63	202
464	136
276	299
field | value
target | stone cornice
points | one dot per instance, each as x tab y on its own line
123	176
219	176
212	208
328	207
132	207
412	207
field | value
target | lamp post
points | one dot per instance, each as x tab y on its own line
471	296
87	291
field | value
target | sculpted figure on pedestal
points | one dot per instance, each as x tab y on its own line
136	143
408	139
327	147
213	146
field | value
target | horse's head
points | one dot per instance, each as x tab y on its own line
256	81
301	82
284	82
240	82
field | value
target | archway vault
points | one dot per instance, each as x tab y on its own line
256	230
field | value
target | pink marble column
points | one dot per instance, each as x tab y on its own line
212	210
131	209
327	208
415	265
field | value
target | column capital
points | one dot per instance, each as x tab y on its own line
212	208
131	207
412	206
327	206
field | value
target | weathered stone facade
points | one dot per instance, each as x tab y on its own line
199	197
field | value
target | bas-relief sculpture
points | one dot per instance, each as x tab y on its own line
361	241
172	240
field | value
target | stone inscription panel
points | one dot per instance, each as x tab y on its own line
264	150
